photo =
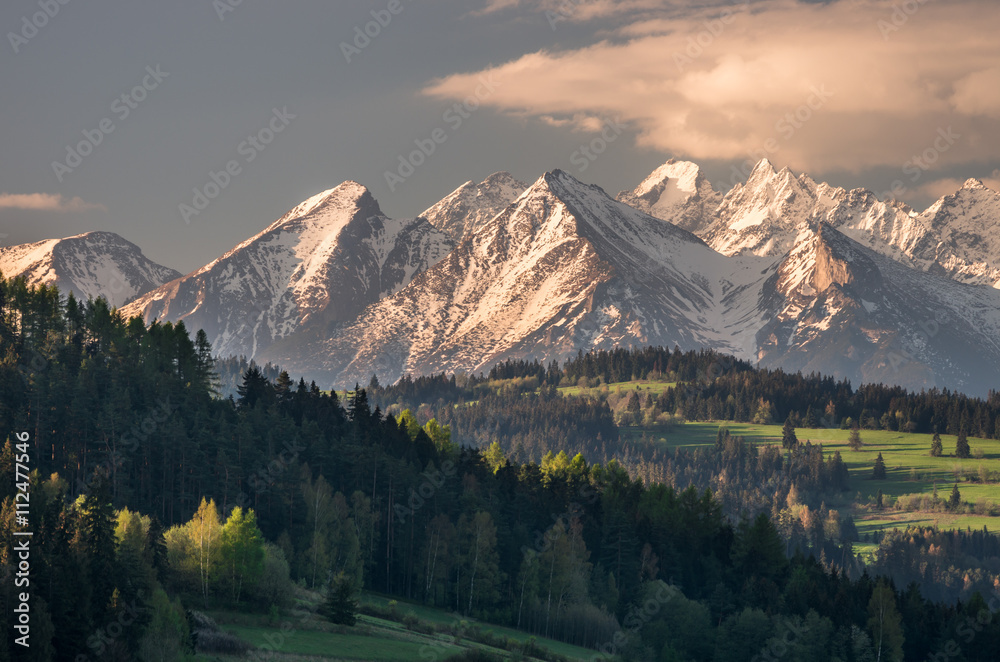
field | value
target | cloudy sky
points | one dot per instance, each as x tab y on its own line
115	112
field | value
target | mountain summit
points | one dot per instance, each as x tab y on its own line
320	263
471	205
93	264
677	192
958	236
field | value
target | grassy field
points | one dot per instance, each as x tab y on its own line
373	639
910	468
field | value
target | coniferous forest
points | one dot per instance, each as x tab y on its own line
152	495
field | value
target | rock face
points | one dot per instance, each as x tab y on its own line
472	205
321	263
845	310
94	264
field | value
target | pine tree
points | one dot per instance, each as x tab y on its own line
341	607
936	446
788	438
962	445
205	374
879	472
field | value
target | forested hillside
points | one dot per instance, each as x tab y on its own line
152	494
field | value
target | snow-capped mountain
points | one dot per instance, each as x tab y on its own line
958	236
846	310
321	263
94	264
783	270
962	236
471	205
677	192
563	268
766	215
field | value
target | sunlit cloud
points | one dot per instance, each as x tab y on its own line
842	86
46	202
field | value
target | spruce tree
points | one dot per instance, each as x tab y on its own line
879	472
283	386
936	446
255	388
962	445
788	438
955	500
357	405
341	607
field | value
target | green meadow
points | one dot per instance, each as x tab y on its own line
910	469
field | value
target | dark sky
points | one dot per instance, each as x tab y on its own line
710	83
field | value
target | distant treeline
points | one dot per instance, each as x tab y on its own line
230	373
713	386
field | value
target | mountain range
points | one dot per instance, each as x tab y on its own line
781	270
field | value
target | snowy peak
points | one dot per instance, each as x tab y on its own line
762	174
93	264
676	192
681	175
961	236
328	211
322	262
765	216
471	205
